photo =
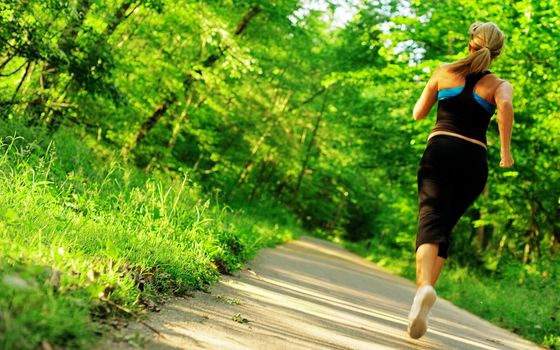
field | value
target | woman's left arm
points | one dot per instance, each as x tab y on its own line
427	99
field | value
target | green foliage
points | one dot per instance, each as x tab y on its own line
261	106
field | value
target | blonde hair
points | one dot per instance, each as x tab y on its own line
486	41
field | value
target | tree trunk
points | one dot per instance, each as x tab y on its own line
118	17
249	161
177	124
149	124
25	73
255	10
262	170
310	147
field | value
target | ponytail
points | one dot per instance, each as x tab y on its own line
487	41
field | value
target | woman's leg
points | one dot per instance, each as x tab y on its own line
426	264
437	269
436	187
435	192
426	267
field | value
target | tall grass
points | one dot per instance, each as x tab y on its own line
83	238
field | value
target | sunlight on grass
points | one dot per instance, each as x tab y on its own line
77	239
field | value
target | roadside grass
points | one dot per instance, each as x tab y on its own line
521	298
82	239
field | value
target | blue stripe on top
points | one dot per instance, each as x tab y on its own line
450	92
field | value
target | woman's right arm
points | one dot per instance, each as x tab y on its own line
427	99
503	97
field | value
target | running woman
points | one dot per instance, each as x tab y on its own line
454	167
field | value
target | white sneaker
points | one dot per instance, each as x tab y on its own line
418	316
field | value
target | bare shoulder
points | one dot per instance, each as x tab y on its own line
442	69
444	72
503	85
503	92
498	82
441	72
434	78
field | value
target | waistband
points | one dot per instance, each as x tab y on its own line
456	136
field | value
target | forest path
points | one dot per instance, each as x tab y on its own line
312	294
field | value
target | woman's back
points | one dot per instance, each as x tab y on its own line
485	88
465	112
460	108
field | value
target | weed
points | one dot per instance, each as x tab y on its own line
239	319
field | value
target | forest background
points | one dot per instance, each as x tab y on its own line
150	145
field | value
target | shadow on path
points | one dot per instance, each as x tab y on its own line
311	294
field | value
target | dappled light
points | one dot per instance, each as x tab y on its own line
310	294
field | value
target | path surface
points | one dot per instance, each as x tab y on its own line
310	294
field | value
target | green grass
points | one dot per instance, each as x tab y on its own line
81	233
521	298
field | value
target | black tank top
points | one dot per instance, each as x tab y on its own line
462	114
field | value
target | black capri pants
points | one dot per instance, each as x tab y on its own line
451	175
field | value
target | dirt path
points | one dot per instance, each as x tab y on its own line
311	294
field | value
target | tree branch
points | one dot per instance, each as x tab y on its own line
14	72
21	81
310	99
255	10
